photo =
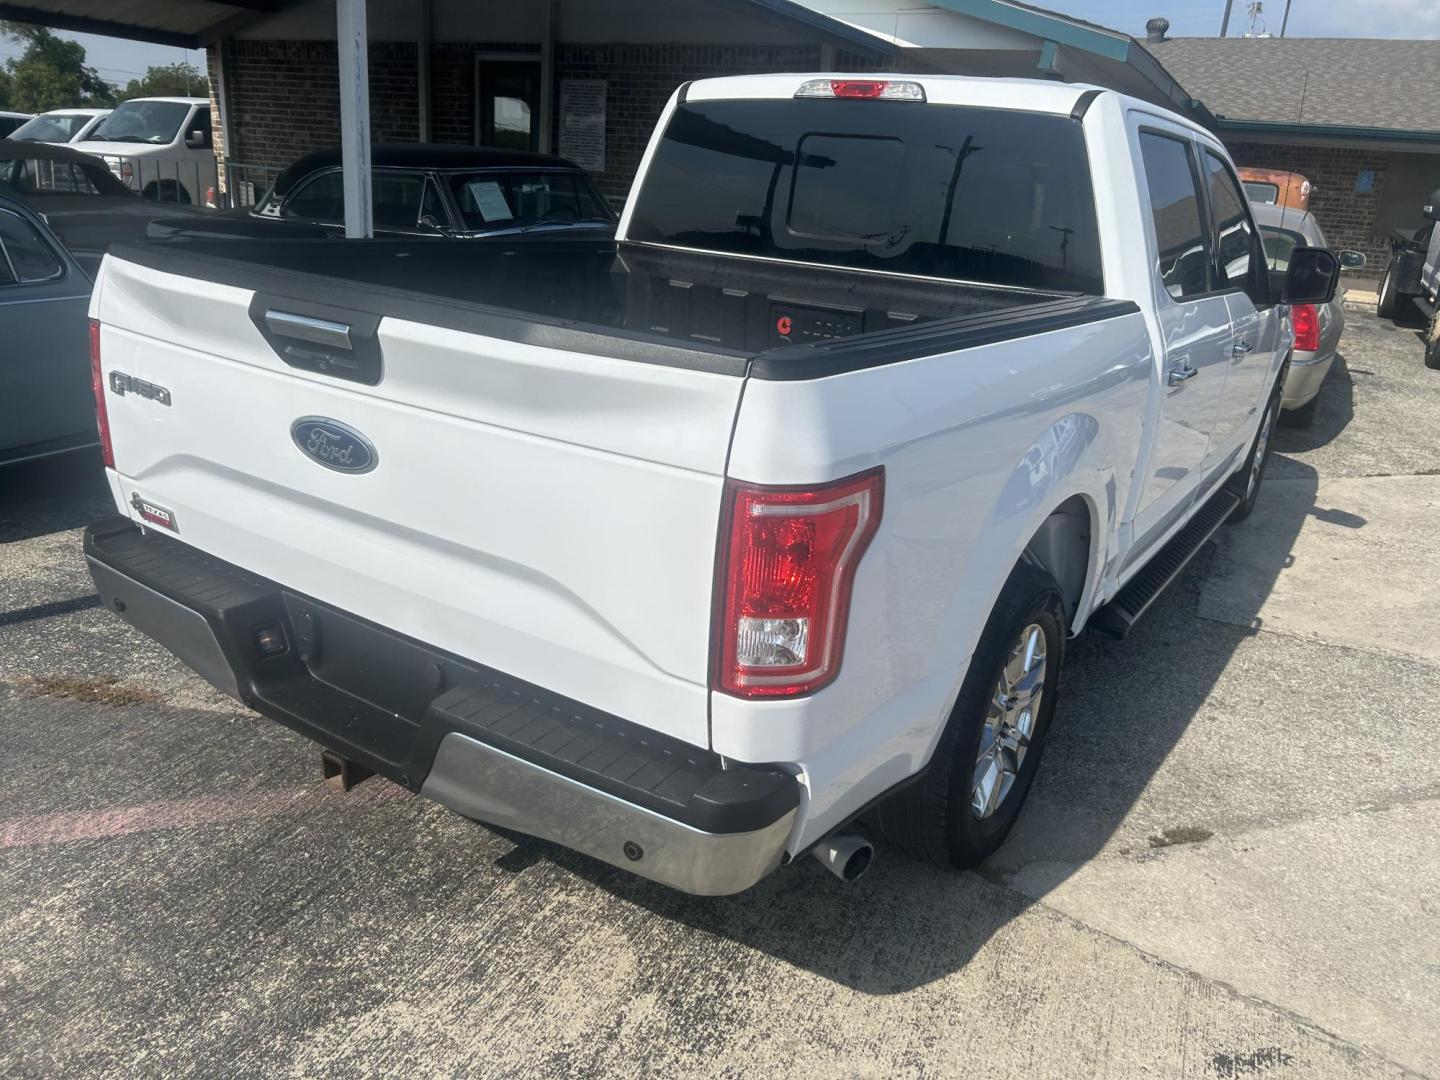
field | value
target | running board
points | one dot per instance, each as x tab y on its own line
1131	602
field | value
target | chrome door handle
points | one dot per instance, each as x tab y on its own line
1180	375
1240	348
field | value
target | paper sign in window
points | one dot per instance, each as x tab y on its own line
489	200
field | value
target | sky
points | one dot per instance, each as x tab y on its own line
120	61
1308	18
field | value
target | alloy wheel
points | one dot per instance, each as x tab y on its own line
1009	723
1262	444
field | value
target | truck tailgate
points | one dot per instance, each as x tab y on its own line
547	513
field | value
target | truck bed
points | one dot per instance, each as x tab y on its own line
636	301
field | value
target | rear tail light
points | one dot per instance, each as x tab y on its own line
1306	320
785	574
882	89
97	385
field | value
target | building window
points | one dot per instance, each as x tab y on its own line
507	101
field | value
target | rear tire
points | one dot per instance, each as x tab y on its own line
170	191
1248	480
1302	417
952	815
1388	302
1432	341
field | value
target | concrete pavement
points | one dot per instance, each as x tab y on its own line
1227	868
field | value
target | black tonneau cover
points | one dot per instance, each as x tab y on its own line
721	313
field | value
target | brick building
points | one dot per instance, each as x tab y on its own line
1360	118
588	78
276	90
274	74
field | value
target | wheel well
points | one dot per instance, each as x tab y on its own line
1061	547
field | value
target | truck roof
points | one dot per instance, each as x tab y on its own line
985	92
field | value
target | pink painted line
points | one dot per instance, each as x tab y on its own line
66	828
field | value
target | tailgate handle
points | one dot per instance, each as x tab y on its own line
332	335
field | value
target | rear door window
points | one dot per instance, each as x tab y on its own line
988	195
24	255
321	198
1180	241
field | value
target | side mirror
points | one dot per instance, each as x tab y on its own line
196	140
1311	277
1431	210
1351	260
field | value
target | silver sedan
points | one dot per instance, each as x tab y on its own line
1317	327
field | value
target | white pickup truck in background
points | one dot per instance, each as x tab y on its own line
692	549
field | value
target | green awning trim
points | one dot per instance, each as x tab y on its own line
1324	131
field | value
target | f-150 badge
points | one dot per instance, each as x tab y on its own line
333	444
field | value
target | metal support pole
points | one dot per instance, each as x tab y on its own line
227	135
423	46
1225	22
353	42
1286	20
547	75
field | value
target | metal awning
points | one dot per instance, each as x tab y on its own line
192	23
187	23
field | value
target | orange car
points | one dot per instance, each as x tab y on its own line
1277	187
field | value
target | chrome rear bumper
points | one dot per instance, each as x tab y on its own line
485	783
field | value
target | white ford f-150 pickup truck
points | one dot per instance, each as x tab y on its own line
694	548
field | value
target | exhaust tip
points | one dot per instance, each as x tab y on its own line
847	856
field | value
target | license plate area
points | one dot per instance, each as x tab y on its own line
382	669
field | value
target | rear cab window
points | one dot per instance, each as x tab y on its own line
995	196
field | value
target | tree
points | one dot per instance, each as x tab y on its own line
168	80
51	73
4	89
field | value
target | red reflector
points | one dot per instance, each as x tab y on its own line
1306	320
858	88
97	386
787	567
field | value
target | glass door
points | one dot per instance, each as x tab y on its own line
507	103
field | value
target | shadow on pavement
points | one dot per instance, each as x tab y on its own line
1333	414
68	491
1124	706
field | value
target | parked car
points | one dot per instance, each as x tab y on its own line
9	121
86	206
1317	327
1412	278
687	549
160	147
45	395
60	126
1276	187
421	190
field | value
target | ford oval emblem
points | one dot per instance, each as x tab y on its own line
333	444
